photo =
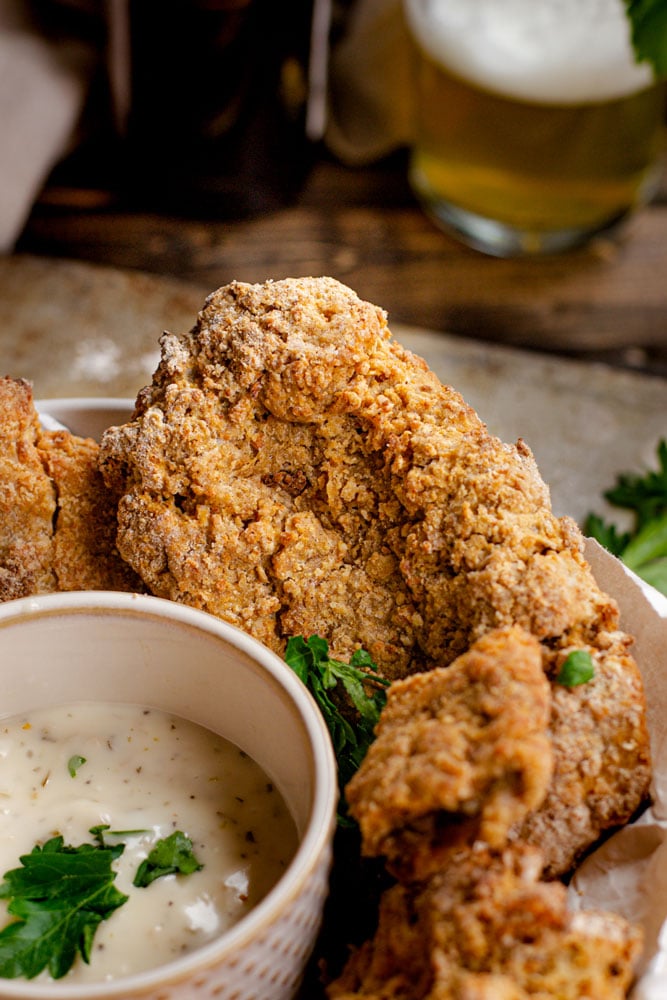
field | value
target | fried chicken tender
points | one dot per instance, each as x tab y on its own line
487	928
293	470
27	498
57	519
85	556
462	753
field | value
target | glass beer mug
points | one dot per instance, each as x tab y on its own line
535	128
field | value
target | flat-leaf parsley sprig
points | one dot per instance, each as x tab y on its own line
644	547
59	897
61	894
173	855
366	694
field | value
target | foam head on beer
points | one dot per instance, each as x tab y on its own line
560	51
535	125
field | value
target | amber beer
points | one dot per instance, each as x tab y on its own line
536	127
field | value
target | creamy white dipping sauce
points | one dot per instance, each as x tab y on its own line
148	771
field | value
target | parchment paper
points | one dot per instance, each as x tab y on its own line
628	874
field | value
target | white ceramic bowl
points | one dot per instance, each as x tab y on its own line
86	416
60	648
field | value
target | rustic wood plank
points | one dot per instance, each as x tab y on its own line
363	227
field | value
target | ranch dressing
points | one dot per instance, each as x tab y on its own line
152	772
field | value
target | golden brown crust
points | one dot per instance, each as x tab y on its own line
27	498
246	493
462	754
293	470
601	756
85	555
57	519
487	928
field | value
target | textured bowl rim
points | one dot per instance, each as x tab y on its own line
317	836
80	409
83	403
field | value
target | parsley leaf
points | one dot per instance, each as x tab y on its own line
606	534
59	896
351	732
577	668
74	763
117	849
644	548
648	32
172	855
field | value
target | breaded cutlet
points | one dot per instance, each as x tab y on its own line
293	470
57	518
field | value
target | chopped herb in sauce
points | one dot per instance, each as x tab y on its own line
61	894
74	763
59	897
117	742
173	855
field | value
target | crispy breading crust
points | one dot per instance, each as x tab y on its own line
85	556
294	470
462	754
27	498
57	519
487	928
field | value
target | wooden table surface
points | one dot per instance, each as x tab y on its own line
363	226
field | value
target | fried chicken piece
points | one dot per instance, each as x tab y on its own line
293	470
27	498
601	756
85	556
57	519
462	753
487	928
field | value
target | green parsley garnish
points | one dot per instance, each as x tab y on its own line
74	763
59	897
643	548
61	894
172	855
577	668
351	732
648	31
103	830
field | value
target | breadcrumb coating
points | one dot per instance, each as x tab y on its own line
57	518
85	556
462	754
27	498
487	928
293	470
